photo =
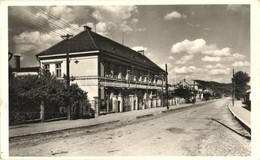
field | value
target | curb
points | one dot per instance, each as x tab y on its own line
61	130
239	118
144	116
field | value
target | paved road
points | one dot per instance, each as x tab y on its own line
203	130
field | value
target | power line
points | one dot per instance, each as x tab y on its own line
54	25
38	22
56	18
41	26
41	22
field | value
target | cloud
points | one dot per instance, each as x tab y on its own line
209	66
189	70
103	28
220	71
207	29
113	13
169	65
125	26
185	59
211	59
193	71
174	14
90	24
69	14
185	70
171	58
199	46
150	55
218	52
134	21
107	17
193	25
219	65
238	56
117	17
190	47
34	41
233	7
241	64
141	29
138	48
234	57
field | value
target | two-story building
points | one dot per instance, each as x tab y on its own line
116	77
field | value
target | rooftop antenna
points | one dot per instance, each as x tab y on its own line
141	50
123	38
95	23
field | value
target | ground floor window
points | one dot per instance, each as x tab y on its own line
46	67
58	70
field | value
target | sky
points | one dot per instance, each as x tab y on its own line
203	42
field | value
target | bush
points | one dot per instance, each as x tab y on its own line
26	94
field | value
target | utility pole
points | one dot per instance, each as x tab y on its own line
166	86
233	88
175	76
162	88
66	37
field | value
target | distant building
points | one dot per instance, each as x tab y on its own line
17	70
116	77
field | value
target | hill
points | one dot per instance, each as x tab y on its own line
224	88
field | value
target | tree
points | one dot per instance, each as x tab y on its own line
241	79
183	93
22	105
28	92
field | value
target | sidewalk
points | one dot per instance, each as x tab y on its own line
38	128
242	114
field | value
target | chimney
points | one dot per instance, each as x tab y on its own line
141	52
87	28
17	61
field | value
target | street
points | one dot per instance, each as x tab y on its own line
207	129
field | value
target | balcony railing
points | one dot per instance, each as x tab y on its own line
128	82
119	81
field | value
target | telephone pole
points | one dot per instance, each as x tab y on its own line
233	88
166	86
66	37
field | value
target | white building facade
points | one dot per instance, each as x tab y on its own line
116	78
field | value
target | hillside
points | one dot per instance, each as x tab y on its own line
224	88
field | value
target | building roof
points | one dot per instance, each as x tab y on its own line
26	69
91	41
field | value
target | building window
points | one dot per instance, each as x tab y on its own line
58	70
46	68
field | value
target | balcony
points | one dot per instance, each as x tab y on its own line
119	81
128	82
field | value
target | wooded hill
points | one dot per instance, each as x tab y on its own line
224	88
